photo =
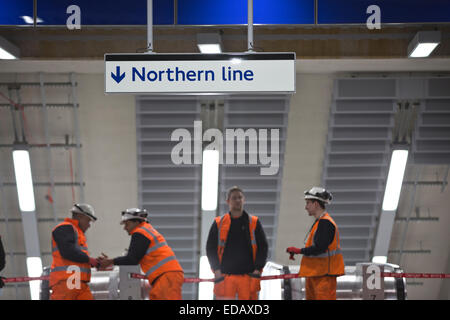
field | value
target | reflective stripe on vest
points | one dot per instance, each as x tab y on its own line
221	243
328	254
156	246
159	264
151	233
253	238
65	268
159	257
155	238
54	249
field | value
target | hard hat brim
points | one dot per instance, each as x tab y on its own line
88	215
310	197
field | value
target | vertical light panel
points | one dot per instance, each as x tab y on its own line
24	180
395	179
34	267
205	289
210	179
379	259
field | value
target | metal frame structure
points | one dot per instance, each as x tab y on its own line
30	223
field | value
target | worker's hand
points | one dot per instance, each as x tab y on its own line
94	262
105	262
292	251
218	276
2	284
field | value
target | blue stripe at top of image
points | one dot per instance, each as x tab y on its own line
229	12
392	11
11	12
97	12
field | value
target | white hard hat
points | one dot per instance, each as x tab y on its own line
134	213
320	194
85	209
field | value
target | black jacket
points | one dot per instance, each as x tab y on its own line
65	238
322	238
2	255
237	256
138	247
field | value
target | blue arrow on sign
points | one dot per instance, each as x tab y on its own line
118	77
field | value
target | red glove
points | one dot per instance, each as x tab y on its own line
94	262
292	251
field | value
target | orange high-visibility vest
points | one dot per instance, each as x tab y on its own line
159	257
329	263
60	266
223	227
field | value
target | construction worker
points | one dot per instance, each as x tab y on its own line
70	272
149	249
2	261
322	259
237	251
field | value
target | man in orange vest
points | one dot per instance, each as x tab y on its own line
149	249
237	251
70	272
2	263
322	259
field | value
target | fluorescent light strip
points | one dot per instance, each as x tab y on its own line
24	180
395	179
379	259
210	48
423	50
205	289
5	55
30	20
34	267
210	179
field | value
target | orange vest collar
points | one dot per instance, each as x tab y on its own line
137	227
73	221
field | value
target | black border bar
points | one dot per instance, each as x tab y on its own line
198	56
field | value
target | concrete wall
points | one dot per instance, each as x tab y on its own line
306	140
108	138
108	134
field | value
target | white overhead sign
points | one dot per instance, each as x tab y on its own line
200	73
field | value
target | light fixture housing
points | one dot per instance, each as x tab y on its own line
210	179
209	42
395	179
423	43
205	289
34	268
24	179
8	51
379	259
30	20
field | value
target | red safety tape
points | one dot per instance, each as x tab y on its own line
195	280
283	276
25	279
416	275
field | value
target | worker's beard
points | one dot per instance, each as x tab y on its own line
237	208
